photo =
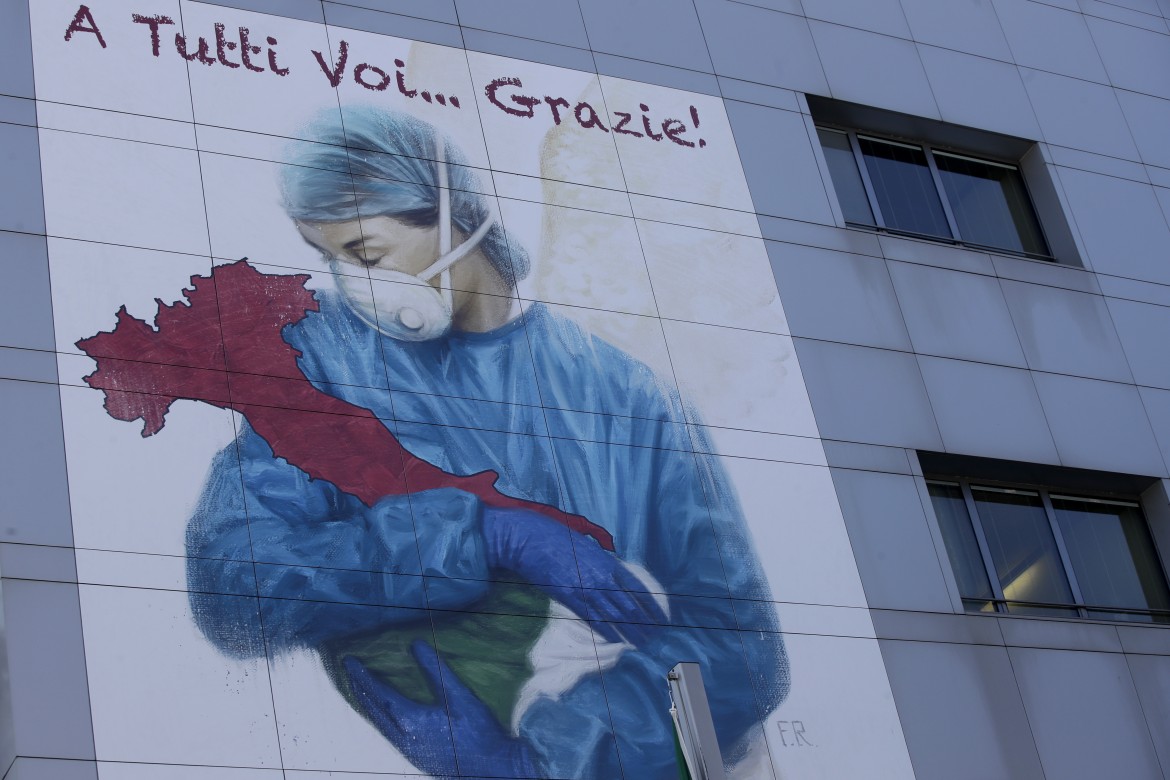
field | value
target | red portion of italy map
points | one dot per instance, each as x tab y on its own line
224	347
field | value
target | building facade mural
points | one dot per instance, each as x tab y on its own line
423	408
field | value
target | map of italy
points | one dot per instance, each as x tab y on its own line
224	347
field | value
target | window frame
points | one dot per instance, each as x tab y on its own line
1001	604
928	149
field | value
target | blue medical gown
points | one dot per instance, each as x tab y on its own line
566	419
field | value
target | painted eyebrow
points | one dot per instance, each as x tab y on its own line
355	245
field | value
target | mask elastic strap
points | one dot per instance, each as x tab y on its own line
444	223
448	256
458	253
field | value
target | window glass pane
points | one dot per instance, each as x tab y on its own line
904	187
846	178
990	204
962	548
1112	555
1023	550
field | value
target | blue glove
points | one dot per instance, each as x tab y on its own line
573	569
422	732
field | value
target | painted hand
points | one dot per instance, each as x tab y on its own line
421	731
573	569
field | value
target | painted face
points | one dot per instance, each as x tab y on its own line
412	297
375	242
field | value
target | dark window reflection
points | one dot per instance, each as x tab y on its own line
990	204
1023	550
962	547
1112	556
904	186
846	178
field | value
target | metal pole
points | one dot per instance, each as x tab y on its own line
692	720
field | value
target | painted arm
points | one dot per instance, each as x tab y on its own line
693	539
325	564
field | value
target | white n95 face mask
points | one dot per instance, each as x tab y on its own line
402	306
406	307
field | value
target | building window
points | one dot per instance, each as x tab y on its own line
920	190
1032	551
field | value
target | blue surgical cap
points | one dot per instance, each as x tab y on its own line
368	162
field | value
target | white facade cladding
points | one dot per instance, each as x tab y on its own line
819	343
